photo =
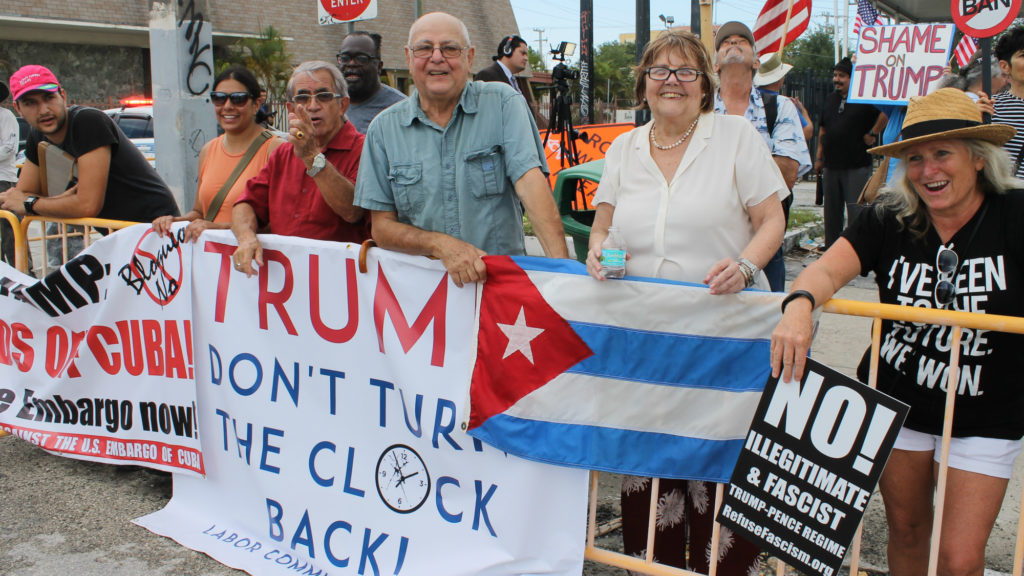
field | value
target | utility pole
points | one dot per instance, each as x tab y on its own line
540	45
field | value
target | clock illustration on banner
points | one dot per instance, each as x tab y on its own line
403	481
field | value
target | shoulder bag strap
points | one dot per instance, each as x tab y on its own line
218	200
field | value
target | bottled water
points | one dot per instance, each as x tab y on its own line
613	254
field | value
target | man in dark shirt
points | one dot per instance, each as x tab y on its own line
843	140
113	179
361	65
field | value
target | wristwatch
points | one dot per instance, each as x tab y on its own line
319	161
30	204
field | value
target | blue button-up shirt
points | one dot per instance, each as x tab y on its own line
456	179
787	140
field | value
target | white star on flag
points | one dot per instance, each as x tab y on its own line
519	336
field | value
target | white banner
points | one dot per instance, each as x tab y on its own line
894	63
331	403
96	358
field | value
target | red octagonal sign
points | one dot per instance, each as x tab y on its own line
345	10
982	18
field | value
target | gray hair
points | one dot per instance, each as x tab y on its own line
311	66
995	177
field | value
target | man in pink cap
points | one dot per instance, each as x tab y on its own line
113	178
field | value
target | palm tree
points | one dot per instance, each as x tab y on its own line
266	57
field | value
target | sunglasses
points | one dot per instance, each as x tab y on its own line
946	263
321	97
359	58
237	98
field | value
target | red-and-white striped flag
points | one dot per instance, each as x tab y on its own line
964	50
772	20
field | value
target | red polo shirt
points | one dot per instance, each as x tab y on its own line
290	202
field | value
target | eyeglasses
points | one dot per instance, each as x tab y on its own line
662	73
237	98
946	263
321	97
842	105
448	51
359	58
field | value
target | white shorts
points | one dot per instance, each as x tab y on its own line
988	456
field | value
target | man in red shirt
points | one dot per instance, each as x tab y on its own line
307	186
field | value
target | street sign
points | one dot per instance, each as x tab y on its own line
983	18
340	11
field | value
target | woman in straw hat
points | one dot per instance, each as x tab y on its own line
948	236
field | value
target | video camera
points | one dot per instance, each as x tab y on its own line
562	74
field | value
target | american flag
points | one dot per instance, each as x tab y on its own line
867	15
772	21
964	50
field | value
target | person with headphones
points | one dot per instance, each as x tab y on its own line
511	59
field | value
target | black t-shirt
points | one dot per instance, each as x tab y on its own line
134	190
914	358
843	145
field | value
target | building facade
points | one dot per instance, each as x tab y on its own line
100	48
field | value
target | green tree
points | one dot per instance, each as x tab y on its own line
812	51
613	72
266	57
536	60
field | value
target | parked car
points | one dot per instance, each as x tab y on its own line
137	124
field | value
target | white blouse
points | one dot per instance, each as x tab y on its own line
678	230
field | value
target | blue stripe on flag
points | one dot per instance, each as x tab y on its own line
673	359
611	449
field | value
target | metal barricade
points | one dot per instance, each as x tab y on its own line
879	312
64	237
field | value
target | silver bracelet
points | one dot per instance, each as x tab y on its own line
749	271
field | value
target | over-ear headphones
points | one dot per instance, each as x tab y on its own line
506	46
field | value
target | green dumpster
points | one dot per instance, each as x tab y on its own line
570	187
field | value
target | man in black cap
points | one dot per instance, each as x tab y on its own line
511	59
844	136
9	134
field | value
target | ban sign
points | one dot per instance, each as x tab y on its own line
984	18
335	11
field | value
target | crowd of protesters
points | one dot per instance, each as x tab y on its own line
700	194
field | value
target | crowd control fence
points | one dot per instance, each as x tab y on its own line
31	234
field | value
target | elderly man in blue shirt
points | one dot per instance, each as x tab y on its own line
443	172
736	64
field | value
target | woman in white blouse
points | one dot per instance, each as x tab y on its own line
695	196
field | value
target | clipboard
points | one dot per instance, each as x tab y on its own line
56	169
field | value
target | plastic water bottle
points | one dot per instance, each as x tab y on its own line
613	254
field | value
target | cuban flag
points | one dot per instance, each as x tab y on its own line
636	376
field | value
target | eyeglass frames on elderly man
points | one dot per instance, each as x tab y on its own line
321	97
661	73
448	51
946	264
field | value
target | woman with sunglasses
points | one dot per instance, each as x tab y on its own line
695	197
244	145
947	235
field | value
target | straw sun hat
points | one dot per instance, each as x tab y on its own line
943	115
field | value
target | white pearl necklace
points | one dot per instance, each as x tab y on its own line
678	142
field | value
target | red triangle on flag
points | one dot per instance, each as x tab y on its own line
522	343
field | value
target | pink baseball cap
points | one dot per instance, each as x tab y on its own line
31	78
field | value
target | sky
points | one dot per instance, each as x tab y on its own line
560	18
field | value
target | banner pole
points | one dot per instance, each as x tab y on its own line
947	433
785	28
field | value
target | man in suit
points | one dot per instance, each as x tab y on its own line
511	59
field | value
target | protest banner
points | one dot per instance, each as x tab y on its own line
896	62
96	358
810	462
331	404
592	145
